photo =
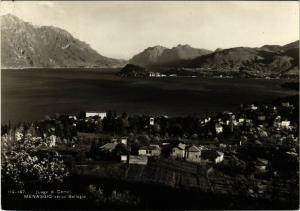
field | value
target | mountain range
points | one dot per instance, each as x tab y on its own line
24	45
267	60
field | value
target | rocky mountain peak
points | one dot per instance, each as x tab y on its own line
183	46
10	18
24	45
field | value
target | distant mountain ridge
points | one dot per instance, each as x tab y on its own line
159	55
24	45
181	52
268	60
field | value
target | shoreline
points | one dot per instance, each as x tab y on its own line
115	70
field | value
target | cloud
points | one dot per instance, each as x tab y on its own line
47	4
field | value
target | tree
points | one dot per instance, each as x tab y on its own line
156	128
22	163
81	115
119	150
144	139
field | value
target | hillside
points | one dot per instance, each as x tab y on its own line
131	70
268	60
181	52
148	56
24	45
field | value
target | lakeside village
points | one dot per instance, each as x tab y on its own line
253	152
131	70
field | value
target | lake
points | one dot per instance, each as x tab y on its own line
32	94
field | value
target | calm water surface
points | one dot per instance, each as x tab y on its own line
32	94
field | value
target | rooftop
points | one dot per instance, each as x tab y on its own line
109	146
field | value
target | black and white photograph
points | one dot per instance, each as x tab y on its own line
149	105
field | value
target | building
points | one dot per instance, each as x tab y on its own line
123	158
123	141
156	74
73	117
151	74
151	150
285	104
178	151
285	124
193	154
151	121
138	159
94	113
241	120
253	107
52	141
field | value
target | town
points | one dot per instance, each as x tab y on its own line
251	153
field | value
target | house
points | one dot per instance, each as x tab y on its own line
193	154
123	158
151	150
285	124
178	151
109	147
151	74
156	74
241	121
253	107
73	117
123	141
212	156
94	113
285	104
52	141
151	121
138	159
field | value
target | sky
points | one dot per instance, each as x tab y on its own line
121	29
